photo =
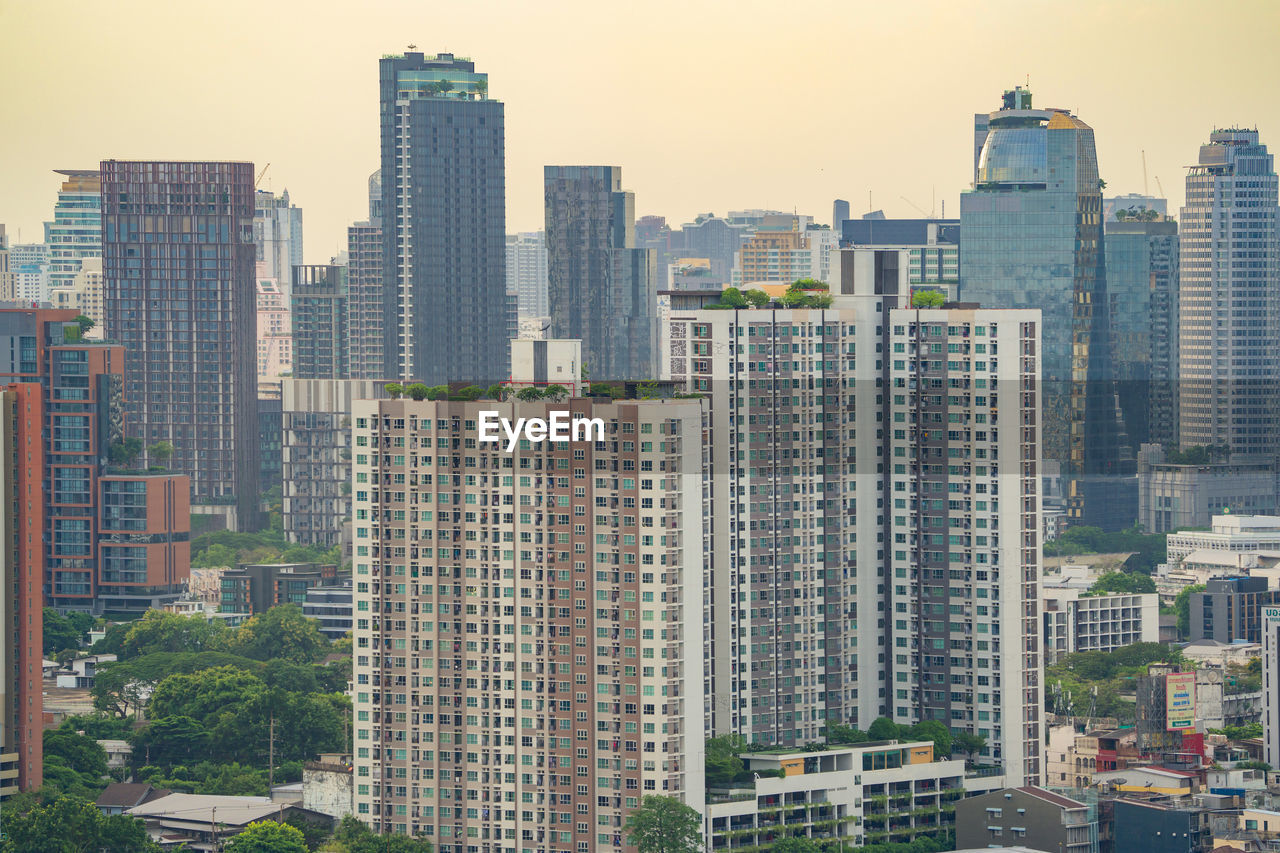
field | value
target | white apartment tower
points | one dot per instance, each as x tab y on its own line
527	664
872	513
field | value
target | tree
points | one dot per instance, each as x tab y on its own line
79	752
70	825
883	728
723	765
438	392
555	392
733	297
86	323
394	390
927	299
840	733
969	744
125	451
1122	582
158	631
934	731
267	836
417	390
468	393
281	632
172	740
756	297
1182	607
160	452
794	845
356	837
664	825
203	695
529	394
497	391
64	632
215	556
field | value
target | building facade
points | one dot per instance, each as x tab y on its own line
601	289
801	434
22	573
444	186
178	271
527	662
1030	816
320	322
275	330
76	230
277	237
1230	306
29	265
1271	684
934	245
1097	623
527	272
1175	496
1230	609
84	294
364	289
1033	238
316	457
1142	298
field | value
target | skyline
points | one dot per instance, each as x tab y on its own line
322	147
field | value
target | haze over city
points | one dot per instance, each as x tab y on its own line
707	106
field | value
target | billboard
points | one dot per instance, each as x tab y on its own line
1180	701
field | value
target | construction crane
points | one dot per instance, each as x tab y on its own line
1145	190
258	179
1160	187
930	214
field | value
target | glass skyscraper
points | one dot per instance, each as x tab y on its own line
1032	238
444	312
1230	289
76	230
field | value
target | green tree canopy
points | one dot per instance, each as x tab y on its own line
417	390
64	632
160	452
158	631
281	632
757	297
394	390
267	836
723	765
70	825
1122	582
172	740
883	728
664	825
927	299
356	837
732	297
79	752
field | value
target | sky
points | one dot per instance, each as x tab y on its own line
707	105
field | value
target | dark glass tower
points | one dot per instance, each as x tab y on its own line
444	313
600	287
178	289
320	322
1032	238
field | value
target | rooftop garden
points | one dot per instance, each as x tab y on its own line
802	293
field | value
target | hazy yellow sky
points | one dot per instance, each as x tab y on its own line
707	106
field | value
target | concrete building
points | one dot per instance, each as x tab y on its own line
882	792
364	289
444	188
783	250
1158	827
933	244
1142	296
1231	533
189	363
1097	623
319	316
527	273
327	785
316	457
76	230
204	822
93	523
538	648
1271	684
1230	314
277	238
83	295
29	266
6	275
1172	496
794	410
1033	238
1230	609
275	331
257	587
1031	816
22	527
601	288
540	363
332	607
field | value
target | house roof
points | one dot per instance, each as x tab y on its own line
201	809
1051	797
130	794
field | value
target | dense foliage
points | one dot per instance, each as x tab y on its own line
1071	681
69	825
664	825
1148	549
1127	583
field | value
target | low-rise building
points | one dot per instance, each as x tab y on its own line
1177	496
1158	826
1229	533
205	822
79	673
327	785
1036	817
257	587
332	606
862	794
1230	609
1097	623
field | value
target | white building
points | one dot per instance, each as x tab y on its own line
29	265
277	234
83	293
527	273
920	604
1097	623
1229	533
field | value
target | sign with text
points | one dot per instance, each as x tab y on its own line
1180	700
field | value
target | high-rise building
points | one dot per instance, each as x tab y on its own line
839	213
1032	238
178	271
1142	296
76	230
783	250
275	330
83	295
1271	684
934	246
527	272
1229	317
364	289
6	275
320	322
444	188
89	561
29	265
22	573
601	289
528	664
316	452
277	237
716	239
816	611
